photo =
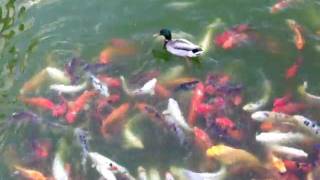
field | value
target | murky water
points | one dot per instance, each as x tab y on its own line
63	29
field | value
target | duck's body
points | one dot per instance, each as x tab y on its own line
180	47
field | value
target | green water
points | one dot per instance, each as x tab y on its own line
63	29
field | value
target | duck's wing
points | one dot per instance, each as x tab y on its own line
183	44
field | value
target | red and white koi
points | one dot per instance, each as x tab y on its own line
68	89
102	164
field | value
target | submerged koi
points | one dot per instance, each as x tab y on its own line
290	108
254	106
61	88
280	5
74	107
162	91
178	81
202	139
310	126
57	75
105	55
142	173
34	82
225	123
296	166
278	164
293	70
262	116
101	87
298	37
30	174
205	43
147	88
219	175
288	152
282	101
58	169
197	98
280	138
110	81
310	98
116	116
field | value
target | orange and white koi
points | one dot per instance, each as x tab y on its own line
197	98
30	173
116	116
280	5
58	169
298	37
74	107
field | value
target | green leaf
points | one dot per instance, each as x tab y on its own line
21	12
21	27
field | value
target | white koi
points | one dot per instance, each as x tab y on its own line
205	43
279	137
308	125
174	111
68	89
261	116
58	170
57	75
131	140
255	106
288	152
142	174
190	175
310	98
147	88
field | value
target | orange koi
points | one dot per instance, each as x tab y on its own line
102	102
30	174
74	107
298	37
105	55
162	91
202	139
197	98
110	81
38	102
290	108
116	116
122	46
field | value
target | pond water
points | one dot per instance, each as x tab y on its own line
68	29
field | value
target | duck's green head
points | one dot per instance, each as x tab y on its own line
166	33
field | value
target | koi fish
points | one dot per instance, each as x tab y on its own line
60	109
162	91
116	116
205	43
110	81
105	101
102	163
278	164
225	123
219	175
298	37
147	88
57	75
58	170
222	153
308	125
172	73
152	113
310	98
83	140
142	173
30	174
74	107
68	89
202	139
34	82
197	98
290	108
282	101
40	102
187	85
280	138
262	116
254	106
99	86
292	70
180	80
131	140
233	37
105	55
41	148
280	5
71	66
174	111
288	152
296	166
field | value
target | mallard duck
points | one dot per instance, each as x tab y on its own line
180	47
